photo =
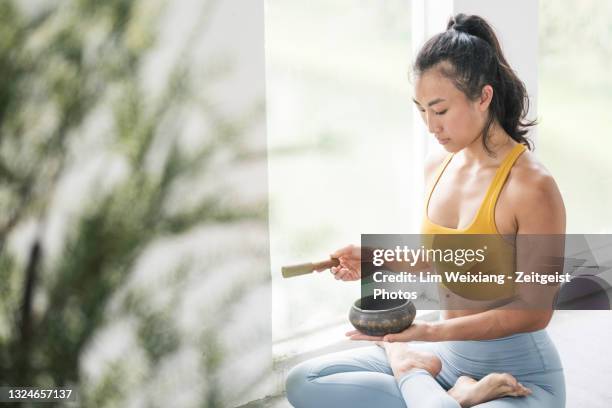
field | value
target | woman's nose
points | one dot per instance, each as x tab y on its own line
433	125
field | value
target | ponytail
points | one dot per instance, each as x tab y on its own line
475	59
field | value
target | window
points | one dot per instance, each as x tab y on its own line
339	138
575	95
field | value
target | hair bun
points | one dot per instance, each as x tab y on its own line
458	23
474	26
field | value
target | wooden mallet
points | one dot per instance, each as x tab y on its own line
303	269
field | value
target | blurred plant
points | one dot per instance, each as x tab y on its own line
59	68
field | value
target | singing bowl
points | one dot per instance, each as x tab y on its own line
380	317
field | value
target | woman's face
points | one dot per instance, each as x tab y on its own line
450	116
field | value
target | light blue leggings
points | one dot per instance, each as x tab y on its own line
362	377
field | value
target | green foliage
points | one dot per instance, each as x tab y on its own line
60	67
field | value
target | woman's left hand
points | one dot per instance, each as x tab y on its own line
418	331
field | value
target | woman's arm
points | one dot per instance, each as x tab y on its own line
492	324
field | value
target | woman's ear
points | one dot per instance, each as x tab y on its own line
486	96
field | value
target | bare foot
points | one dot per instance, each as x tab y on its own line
469	392
403	359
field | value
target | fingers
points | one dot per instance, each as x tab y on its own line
353	276
393	337
350	264
400	337
357	335
343	273
337	271
365	337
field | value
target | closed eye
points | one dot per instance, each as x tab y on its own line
437	113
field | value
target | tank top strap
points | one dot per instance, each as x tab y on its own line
437	176
490	199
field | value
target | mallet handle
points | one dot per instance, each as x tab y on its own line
303	269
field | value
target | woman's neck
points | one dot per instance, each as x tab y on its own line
499	143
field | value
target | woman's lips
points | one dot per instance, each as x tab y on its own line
443	141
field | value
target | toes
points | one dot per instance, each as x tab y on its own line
517	393
516	389
520	388
504	384
511	387
507	381
523	390
510	380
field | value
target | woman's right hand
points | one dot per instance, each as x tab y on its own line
350	263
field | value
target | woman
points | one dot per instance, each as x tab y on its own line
483	355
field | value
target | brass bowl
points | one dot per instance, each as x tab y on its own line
380	317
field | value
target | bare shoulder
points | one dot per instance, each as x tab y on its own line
535	196
529	177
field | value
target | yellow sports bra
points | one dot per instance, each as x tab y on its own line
499	256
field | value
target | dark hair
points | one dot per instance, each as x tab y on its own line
475	59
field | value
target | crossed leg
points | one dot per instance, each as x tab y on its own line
368	376
407	362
